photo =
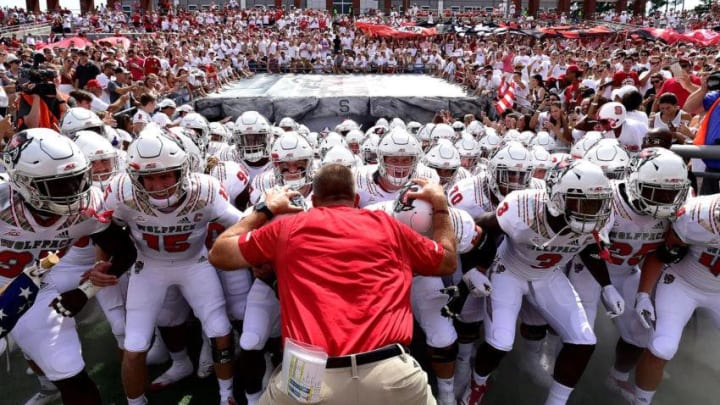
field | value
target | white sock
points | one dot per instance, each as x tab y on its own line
254	397
141	400
180	356
465	351
559	394
446	384
642	397
619	375
478	379
226	387
45	384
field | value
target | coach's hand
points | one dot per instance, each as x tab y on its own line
430	192
278	201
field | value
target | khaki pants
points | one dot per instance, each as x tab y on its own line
398	380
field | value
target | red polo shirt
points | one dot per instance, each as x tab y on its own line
344	275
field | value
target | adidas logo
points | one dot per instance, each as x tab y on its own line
63	235
184	220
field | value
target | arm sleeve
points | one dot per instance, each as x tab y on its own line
424	255
259	246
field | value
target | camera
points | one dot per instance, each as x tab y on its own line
40	78
713	81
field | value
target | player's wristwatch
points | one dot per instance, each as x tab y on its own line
263	208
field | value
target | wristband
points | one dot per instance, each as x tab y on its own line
89	289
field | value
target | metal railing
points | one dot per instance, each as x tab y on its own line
22	29
699	152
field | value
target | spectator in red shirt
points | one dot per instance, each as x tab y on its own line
624	76
344	277
136	65
152	64
681	84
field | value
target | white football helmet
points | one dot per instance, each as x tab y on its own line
544	139
415	213
346	126
312	138
382	122
526	137
354	139
196	159
657	182
152	153
413	127
608	155
423	136
469	150
509	169
48	170
579	191
252	136
200	130
78	119
397	123
445	159
398	155
458	127
475	128
287	124
368	149
292	159
102	155
331	140
218	132
612	115
339	155
489	143
542	161
302	130
442	131
585	143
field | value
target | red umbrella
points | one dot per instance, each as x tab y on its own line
78	42
115	41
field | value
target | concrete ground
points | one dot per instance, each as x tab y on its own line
691	378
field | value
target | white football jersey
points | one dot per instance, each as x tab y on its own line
23	240
232	176
472	195
370	191
262	183
531	248
232	154
466	232
697	225
632	236
173	236
215	147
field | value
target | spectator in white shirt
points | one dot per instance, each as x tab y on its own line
166	110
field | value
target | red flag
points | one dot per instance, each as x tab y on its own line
506	96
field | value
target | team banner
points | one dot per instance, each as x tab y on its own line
387	31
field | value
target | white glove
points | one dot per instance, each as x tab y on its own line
645	309
613	301
478	283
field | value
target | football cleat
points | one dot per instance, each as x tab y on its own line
178	371
44	397
474	394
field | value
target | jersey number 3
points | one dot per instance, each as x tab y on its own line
167	243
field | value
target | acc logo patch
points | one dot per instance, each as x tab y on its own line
668	278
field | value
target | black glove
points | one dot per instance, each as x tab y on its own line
69	303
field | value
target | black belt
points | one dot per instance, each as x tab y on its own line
367	357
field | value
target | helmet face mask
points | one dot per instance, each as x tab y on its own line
49	171
59	194
657	183
580	192
398	156
254	147
292	159
159	168
510	169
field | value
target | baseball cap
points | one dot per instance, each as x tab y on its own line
185	108
166	103
121	69
10	58
573	69
93	83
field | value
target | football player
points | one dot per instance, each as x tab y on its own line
544	229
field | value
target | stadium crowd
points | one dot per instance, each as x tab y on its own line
555	193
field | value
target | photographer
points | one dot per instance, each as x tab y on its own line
40	104
706	99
